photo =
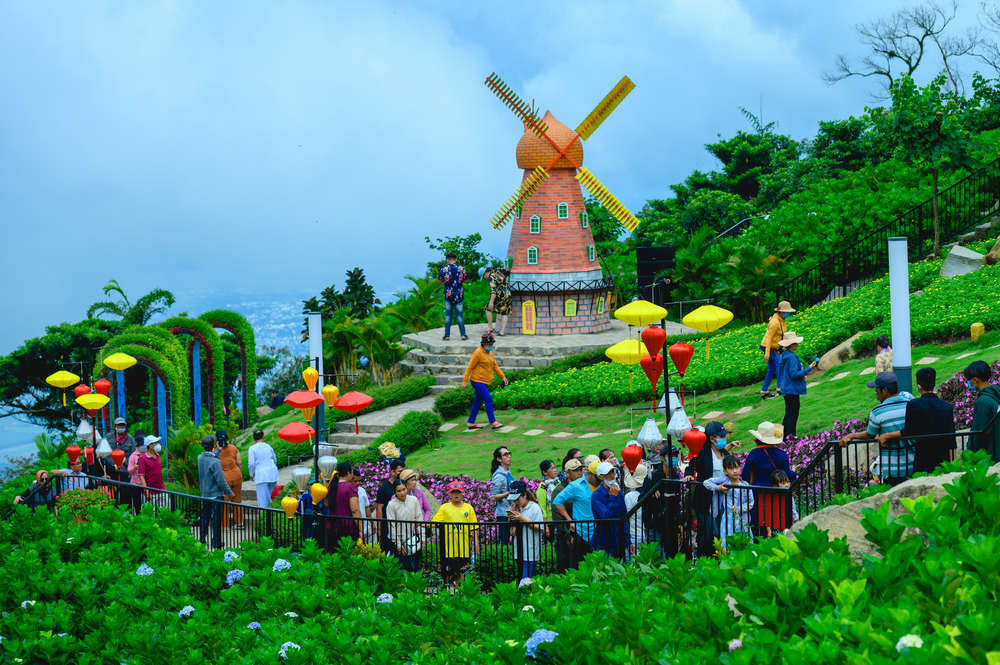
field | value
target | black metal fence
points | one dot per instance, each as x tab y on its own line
960	208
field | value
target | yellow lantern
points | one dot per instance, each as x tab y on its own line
308	412
119	361
62	379
640	313
628	352
706	319
93	401
289	504
317	492
330	394
310	376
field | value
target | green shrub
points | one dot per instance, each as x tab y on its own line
277	413
409	434
409	389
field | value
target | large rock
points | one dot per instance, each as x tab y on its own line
961	261
993	257
263	410
838	354
845	521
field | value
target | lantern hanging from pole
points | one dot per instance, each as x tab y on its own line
330	393
81	390
310	376
640	313
649	436
93	403
103	448
118	456
694	439
119	361
289	505
706	319
308	413
103	387
632	455
653	367
62	379
680	355
327	467
318	491
301	476
654	337
353	402
296	432
73	452
88	454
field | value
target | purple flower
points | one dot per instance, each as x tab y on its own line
234	576
735	644
524	582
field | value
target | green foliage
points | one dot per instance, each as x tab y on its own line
754	273
51	446
183	451
604	227
477	295
216	369
410	388
80	502
420	308
410	433
149	347
279	370
359	295
237	324
467	254
282	410
145	308
715	209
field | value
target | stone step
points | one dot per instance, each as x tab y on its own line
439	388
344	438
347	427
504	359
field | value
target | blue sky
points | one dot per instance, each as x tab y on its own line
252	152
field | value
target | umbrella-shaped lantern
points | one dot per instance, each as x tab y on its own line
353	402
327	467
81	390
640	313
304	400
296	432
62	379
301	476
627	352
103	387
706	319
92	403
119	361
310	376
330	394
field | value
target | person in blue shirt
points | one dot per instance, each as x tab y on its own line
607	502
791	378
577	495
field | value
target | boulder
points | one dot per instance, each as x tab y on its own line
263	411
839	353
845	521
961	261
993	257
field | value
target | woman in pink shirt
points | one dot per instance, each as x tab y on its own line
133	471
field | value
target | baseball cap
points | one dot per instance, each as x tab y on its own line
593	466
573	464
715	428
884	380
119	421
456	486
604	468
221	434
517	488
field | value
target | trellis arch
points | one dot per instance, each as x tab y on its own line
214	356
237	324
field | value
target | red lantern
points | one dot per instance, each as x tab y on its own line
102	386
88	453
632	455
353	402
680	354
653	338
296	432
118	456
653	367
694	439
73	452
81	390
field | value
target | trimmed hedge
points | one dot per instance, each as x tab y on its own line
177	376
237	324
409	389
216	359
410	434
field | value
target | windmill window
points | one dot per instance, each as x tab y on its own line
562	211
532	256
517	212
584	219
535	225
590	252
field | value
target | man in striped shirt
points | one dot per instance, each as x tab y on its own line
895	457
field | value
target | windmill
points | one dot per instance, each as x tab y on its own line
557	284
583	131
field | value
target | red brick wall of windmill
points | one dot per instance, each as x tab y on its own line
550	313
562	243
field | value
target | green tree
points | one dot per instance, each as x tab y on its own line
714	209
145	308
698	264
359	296
754	272
930	127
420	307
604	227
467	254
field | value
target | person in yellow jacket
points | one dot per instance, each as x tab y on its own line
777	326
481	367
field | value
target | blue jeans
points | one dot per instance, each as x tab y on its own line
211	513
459	319
772	371
527	569
483	398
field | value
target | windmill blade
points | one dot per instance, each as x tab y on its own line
604	109
522	110
608	200
522	194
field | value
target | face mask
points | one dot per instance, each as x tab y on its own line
142	449
610	483
972	386
784	315
721	443
157	448
120	430
489	348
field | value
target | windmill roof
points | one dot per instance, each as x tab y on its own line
533	150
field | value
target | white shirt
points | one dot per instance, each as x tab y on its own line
531	540
363	503
262	463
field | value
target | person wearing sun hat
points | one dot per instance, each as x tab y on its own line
456	538
410	477
792	379
762	461
777	326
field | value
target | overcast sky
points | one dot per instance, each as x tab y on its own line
235	151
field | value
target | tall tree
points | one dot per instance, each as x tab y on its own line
145	308
930	127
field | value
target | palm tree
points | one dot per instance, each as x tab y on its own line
755	273
420	308
145	308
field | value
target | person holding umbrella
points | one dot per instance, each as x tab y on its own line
481	368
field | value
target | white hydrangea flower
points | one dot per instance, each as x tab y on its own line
909	642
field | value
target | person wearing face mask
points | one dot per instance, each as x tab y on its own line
978	375
122	439
777	326
608	503
481	368
706	466
896	457
151	471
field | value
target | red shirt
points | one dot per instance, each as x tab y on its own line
152	469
